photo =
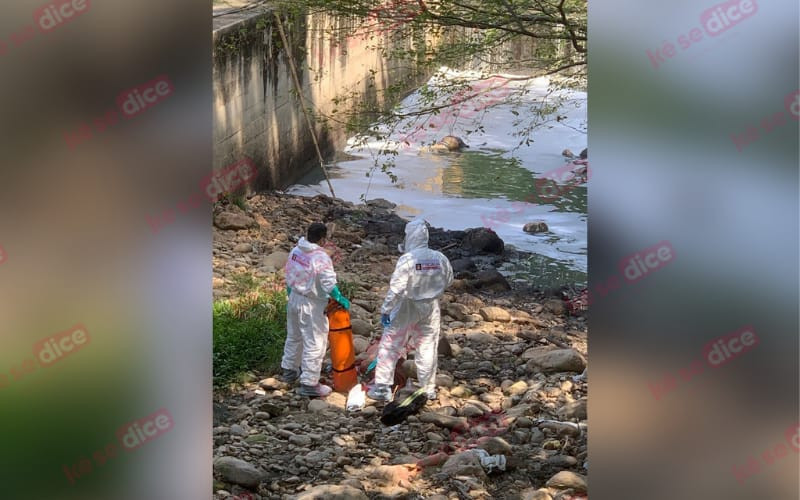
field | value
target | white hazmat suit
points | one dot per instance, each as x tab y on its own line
310	275
412	303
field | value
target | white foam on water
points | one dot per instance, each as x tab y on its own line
421	188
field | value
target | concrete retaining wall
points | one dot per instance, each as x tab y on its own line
256	111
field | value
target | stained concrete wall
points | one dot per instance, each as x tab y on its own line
256	111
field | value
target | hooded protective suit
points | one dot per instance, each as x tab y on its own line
310	275
412	303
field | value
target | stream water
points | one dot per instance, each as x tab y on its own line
493	183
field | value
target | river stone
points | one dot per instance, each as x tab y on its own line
444	348
243	248
463	264
274	261
557	360
483	240
360	343
230	220
443	420
234	470
531	494
381	203
493	313
271	384
458	311
361	327
517	388
466	463
255	438
490	279
496	446
317	405
481	338
460	392
300	440
562	461
332	492
566	479
556	307
409	368
538	226
444	380
575	409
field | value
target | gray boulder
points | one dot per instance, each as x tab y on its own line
234	470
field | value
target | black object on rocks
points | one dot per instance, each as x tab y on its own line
483	240
395	413
463	264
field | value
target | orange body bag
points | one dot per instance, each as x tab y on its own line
343	354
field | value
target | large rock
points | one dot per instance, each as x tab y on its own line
243	248
444	348
274	261
483	240
332	492
381	203
463	264
482	338
496	446
458	311
490	279
317	405
556	360
466	463
231	220
575	409
360	343
361	327
445	421
556	306
493	313
517	388
531	494
234	470
566	479
538	226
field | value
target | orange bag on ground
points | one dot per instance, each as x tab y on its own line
343	354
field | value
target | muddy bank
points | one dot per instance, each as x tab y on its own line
508	372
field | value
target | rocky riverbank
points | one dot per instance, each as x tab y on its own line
509	362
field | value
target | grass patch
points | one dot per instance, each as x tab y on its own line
348	288
249	330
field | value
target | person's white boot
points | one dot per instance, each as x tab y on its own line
380	392
314	391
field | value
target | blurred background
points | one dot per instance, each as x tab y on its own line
78	249
666	168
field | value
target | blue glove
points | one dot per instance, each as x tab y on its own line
338	297
288	290
385	320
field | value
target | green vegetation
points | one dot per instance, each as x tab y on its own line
348	288
249	330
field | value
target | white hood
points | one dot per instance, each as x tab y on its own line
416	235
306	246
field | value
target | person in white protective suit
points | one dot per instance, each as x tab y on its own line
411	308
310	280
